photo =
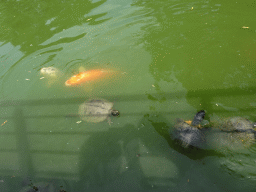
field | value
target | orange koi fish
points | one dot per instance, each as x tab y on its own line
85	76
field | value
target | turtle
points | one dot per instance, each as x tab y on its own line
187	133
50	71
236	124
237	132
234	133
97	110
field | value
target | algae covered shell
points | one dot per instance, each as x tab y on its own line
238	132
239	124
96	110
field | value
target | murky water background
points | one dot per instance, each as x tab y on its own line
171	60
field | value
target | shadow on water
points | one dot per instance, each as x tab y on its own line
205	97
27	176
112	159
108	161
137	159
23	146
125	159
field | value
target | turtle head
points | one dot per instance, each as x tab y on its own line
198	118
115	113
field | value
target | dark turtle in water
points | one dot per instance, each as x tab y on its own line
97	110
189	134
233	133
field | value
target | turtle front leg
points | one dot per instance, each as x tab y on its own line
109	120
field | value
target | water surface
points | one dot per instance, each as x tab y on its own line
171	60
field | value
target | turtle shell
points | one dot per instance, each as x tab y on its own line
95	110
239	130
237	124
51	71
188	135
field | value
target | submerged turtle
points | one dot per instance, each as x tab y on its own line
50	71
236	124
97	110
233	133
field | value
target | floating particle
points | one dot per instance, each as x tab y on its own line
4	122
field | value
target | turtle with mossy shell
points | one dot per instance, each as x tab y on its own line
238	131
233	132
235	124
97	110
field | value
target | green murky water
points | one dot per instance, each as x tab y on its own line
171	59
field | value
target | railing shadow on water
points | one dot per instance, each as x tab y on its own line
204	96
23	149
